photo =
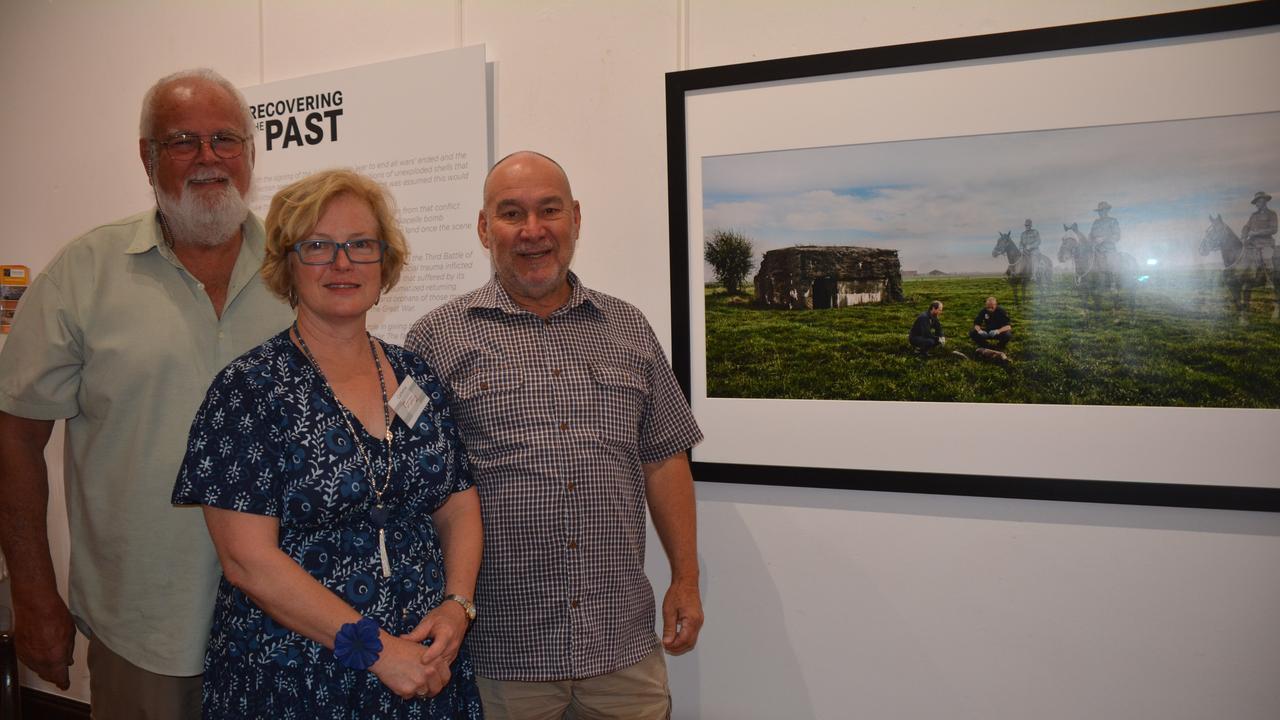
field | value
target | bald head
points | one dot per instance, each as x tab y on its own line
529	224
524	159
183	86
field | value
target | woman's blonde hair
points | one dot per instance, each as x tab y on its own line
296	210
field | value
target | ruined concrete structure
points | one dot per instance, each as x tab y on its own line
828	276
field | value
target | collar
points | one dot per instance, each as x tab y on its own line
492	296
150	235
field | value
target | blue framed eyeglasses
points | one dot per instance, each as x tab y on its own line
324	252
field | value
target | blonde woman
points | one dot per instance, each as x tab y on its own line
335	490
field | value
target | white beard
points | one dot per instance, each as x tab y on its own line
200	223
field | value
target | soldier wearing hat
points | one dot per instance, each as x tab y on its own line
1259	237
1260	230
1030	240
1105	231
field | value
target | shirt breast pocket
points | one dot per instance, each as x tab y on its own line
487	404
621	395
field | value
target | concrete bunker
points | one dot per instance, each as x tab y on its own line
828	276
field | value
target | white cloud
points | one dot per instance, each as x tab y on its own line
943	201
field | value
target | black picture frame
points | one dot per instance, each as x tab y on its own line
906	58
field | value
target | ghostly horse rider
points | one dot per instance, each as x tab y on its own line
1029	241
1259	236
1104	234
1036	263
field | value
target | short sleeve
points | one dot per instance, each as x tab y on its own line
234	459
668	426
41	360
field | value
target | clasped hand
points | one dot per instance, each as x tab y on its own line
411	669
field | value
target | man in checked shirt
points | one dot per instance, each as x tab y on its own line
573	420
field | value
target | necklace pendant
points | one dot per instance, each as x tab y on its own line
382	550
378	515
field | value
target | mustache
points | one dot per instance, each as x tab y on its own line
532	248
207	174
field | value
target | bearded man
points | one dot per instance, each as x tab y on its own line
121	335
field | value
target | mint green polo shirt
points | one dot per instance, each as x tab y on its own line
118	338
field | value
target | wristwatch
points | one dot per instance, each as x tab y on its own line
467	606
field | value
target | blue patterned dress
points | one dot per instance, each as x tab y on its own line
269	440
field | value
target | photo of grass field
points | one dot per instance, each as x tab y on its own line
1179	347
1169	324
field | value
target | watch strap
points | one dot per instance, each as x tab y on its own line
467	606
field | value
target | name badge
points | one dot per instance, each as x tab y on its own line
408	401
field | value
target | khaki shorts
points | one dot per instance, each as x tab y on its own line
638	692
120	690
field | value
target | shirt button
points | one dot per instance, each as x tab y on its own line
573	544
564	426
484	386
221	334
573	603
546	321
555	373
569	486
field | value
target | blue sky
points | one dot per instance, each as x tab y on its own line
941	202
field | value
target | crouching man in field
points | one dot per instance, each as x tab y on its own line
926	331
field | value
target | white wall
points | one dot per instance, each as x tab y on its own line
820	604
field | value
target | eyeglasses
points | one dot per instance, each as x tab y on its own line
324	252
185	146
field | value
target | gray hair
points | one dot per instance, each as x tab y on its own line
146	126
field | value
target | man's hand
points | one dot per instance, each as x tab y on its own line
45	636
44	633
669	488
681	618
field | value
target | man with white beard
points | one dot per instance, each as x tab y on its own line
121	335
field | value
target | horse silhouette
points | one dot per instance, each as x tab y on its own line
1099	274
1024	268
1243	268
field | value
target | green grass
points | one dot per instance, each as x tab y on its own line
1181	346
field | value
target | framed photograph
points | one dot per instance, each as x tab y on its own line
1037	264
